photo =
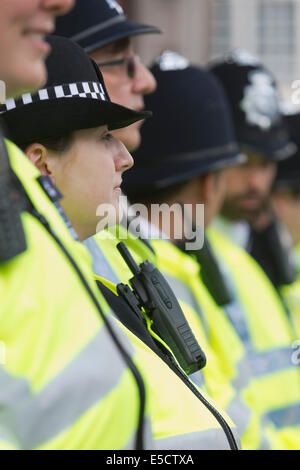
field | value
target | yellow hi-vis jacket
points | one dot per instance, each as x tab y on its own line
291	296
179	418
241	403
221	376
259	319
66	379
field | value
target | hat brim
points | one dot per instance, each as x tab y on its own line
143	179
111	34
58	117
280	153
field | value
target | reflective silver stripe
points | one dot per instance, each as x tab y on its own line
87	379
244	374
263	364
101	266
185	294
271	361
197	378
240	413
212	439
98	27
288	416
236	315
265	444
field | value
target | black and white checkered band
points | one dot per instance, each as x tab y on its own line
92	90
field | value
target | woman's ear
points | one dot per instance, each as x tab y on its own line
38	155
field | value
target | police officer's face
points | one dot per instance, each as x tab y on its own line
248	188
126	89
89	174
23	27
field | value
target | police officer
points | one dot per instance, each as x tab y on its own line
65	363
263	136
184	105
285	201
105	33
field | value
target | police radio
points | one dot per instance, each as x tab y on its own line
12	202
151	292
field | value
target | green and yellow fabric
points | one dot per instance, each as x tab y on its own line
259	319
65	384
221	344
119	272
291	295
180	420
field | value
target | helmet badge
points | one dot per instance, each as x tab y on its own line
260	102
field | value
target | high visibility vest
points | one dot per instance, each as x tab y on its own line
221	379
291	296
67	381
259	319
180	420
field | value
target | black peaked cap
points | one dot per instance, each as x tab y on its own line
95	23
288	171
191	132
252	94
74	98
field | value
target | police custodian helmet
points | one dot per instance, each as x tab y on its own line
253	97
288	171
191	131
95	23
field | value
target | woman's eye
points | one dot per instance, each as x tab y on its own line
108	137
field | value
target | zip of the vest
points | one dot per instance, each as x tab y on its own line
172	363
132	367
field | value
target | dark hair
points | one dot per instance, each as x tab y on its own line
56	144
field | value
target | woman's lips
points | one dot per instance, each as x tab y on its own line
37	36
37	40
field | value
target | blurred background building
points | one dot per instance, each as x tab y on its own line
206	29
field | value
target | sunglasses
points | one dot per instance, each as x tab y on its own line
131	63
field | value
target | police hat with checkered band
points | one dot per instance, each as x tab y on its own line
252	93
73	98
95	23
288	171
191	132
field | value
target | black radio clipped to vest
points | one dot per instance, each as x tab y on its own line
12	202
151	292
